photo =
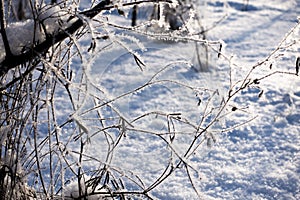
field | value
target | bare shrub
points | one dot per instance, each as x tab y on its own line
53	109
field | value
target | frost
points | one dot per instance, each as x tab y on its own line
83	127
161	21
191	23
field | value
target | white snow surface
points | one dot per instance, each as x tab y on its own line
260	160
23	35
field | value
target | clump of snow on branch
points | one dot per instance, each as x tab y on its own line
23	35
72	190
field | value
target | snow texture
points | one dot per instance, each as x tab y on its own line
23	35
260	160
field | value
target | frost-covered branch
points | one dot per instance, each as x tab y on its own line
72	110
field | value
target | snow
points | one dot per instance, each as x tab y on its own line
23	34
257	160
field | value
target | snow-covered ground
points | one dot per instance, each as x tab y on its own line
259	160
166	93
262	159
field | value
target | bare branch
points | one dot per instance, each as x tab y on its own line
3	31
11	62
